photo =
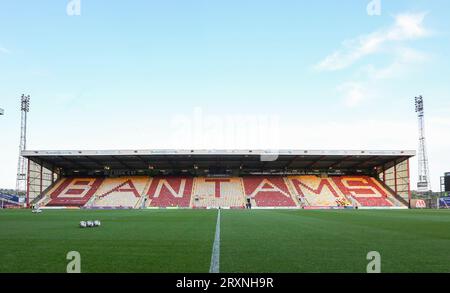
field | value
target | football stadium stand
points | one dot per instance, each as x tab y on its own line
213	179
444	202
9	200
123	192
307	191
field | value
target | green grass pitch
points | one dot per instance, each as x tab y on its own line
251	241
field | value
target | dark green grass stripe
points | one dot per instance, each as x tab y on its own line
128	241
334	241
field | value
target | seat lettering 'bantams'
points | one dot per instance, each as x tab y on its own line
218	192
170	192
122	192
268	191
74	191
217	186
311	191
318	191
127	186
364	189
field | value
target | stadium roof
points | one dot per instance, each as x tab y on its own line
246	160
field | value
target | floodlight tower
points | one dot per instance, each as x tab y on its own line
423	183
21	181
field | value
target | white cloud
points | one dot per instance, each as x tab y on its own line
370	80
407	26
4	50
354	93
403	60
403	64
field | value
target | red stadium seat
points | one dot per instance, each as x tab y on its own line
74	191
268	191
170	192
318	192
230	192
364	190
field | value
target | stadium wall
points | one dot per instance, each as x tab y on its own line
39	180
397	178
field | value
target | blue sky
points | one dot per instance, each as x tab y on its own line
225	74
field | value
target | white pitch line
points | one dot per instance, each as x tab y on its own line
215	256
